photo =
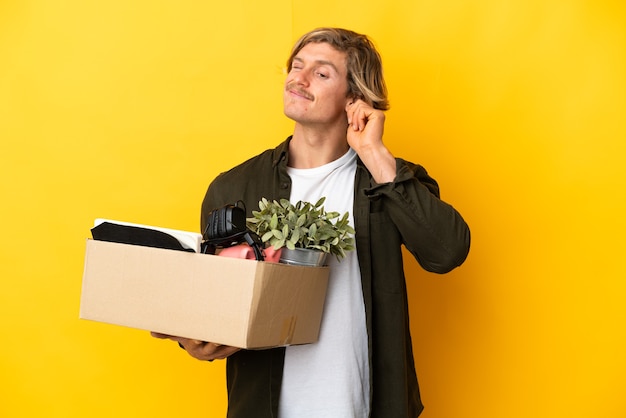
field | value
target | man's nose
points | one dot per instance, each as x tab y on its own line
302	78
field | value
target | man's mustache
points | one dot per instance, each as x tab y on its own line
293	87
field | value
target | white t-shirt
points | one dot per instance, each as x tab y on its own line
330	378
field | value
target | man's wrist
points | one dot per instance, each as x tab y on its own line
380	163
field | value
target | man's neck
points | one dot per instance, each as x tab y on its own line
311	147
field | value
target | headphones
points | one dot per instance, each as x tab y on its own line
226	227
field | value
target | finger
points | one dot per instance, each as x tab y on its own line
353	116
211	351
361	115
349	112
359	118
352	107
223	352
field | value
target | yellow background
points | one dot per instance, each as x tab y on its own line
127	110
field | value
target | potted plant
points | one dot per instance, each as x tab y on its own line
303	226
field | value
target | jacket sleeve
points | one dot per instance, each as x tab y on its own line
431	229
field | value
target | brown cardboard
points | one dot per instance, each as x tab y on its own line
237	302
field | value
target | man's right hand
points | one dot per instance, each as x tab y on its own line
200	350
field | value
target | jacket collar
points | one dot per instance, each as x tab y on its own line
281	153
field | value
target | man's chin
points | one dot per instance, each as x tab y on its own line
296	116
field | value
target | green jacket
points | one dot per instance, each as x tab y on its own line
406	212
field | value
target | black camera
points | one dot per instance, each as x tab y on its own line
226	227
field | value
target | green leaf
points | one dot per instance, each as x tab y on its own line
295	236
266	237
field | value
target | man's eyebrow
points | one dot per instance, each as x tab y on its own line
319	62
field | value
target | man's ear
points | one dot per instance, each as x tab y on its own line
350	101
354	97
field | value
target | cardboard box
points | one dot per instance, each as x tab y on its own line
237	302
